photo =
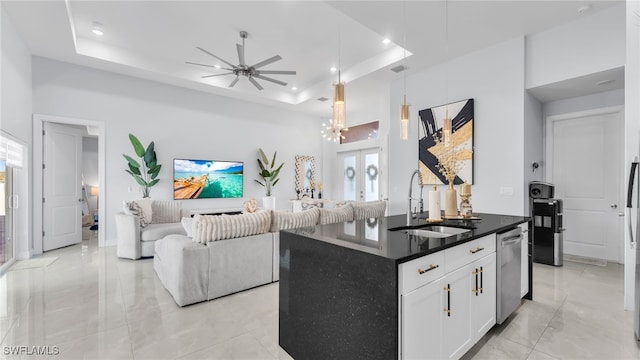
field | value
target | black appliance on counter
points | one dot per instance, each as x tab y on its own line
547	224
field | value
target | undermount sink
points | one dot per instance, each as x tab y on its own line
436	231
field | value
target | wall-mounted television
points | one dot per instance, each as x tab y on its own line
207	179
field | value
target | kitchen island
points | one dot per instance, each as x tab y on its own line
344	288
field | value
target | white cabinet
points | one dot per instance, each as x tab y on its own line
456	322
444	314
524	271
422	311
483	297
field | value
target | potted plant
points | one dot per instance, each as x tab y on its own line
269	174
146	171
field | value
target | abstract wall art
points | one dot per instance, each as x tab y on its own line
439	142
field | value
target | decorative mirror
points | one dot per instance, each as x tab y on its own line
305	172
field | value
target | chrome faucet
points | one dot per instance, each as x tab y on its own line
411	215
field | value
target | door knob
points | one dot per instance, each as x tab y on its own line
620	213
614	206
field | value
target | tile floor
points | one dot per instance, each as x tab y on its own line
90	304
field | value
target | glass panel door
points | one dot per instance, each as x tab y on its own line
6	215
361	175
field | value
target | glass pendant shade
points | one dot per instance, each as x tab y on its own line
339	107
404	120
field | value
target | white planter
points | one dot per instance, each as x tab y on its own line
269	202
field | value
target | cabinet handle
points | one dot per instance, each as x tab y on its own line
448	308
481	276
476	250
475	272
431	267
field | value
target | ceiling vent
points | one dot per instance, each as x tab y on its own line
323	99
398	68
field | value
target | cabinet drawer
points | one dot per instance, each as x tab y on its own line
418	272
461	255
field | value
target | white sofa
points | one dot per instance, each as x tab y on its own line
159	217
193	271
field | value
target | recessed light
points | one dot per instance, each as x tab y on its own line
333	69
97	29
386	41
294	88
605	82
584	9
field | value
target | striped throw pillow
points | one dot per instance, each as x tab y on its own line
219	227
283	220
336	215
369	209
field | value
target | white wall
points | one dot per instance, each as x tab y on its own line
631	133
589	45
582	103
15	119
182	123
533	144
494	78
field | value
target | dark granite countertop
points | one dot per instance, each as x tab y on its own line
383	236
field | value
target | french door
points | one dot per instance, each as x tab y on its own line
7	243
361	174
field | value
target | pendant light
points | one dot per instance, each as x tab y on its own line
339	104
404	108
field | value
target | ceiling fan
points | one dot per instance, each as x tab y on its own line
242	69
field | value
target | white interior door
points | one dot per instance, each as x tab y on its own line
586	156
361	175
62	196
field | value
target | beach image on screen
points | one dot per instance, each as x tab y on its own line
200	179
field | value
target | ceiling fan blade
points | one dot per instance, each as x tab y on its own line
208	76
233	83
240	49
211	66
267	62
255	83
278	72
221	59
270	79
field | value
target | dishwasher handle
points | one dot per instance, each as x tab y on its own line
511	240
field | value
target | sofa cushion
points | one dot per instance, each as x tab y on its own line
369	209
212	227
283	220
187	224
158	231
336	215
165	211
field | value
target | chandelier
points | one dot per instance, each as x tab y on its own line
332	132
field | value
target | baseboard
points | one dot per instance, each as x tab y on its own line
24	255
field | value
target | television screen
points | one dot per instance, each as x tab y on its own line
206	179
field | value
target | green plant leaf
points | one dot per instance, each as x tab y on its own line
261	165
265	173
258	182
265	160
140	180
273	162
275	182
134	169
277	171
137	145
131	161
154	170
149	154
152	164
153	182
130	173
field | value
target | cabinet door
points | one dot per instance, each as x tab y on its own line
422	311
483	296
456	324
524	270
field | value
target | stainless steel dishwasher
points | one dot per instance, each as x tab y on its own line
509	259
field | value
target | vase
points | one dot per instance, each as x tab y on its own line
269	202
451	202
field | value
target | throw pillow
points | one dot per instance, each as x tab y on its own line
187	224
133	208
145	205
283	220
336	215
369	209
212	227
